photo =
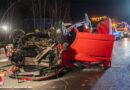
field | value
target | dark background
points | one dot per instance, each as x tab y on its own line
119	9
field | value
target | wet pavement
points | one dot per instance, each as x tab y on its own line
118	76
115	78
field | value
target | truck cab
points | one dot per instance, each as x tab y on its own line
123	26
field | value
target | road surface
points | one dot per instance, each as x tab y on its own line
115	78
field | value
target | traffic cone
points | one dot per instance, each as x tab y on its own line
1	82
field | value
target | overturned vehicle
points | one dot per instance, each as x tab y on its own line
41	55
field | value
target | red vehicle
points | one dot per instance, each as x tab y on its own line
83	47
91	47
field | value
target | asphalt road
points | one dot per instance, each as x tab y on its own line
118	76
115	78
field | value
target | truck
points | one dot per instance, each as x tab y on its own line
123	26
118	34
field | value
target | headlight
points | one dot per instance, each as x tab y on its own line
125	32
5	28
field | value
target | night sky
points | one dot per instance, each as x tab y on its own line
114	8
